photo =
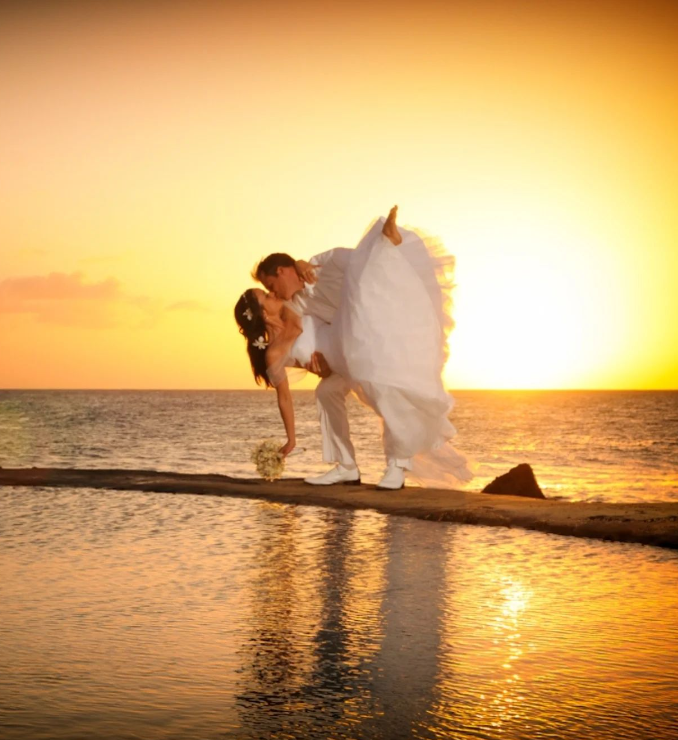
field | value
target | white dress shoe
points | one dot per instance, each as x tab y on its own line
338	474
394	478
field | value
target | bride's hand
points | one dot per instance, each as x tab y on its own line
287	447
306	271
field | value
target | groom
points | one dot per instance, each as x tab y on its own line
315	288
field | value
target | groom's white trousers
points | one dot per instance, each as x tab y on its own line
330	396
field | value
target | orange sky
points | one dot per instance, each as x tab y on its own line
150	153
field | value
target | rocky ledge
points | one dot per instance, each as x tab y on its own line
649	524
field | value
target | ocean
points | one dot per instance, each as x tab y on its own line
583	446
129	615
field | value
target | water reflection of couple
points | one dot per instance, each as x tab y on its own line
373	320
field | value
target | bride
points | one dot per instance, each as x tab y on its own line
387	339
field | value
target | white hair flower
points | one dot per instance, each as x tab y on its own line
247	313
260	343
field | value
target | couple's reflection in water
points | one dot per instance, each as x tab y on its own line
346	624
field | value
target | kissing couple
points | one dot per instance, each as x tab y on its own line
374	321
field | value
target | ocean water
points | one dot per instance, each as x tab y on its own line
128	615
608	446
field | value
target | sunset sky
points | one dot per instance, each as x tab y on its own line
152	152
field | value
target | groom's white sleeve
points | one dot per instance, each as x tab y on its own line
322	298
336	258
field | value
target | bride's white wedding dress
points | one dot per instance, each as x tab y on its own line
388	338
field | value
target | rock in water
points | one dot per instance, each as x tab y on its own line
519	481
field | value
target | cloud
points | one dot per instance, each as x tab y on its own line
69	300
57	286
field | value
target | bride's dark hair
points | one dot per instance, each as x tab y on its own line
250	319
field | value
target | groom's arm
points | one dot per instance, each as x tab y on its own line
318	365
337	258
305	270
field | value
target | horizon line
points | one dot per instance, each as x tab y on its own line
455	390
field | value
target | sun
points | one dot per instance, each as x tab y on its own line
532	315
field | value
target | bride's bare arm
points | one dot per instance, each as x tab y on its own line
286	407
276	373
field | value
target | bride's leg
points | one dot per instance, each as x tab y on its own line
390	230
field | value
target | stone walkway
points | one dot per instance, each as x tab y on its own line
650	524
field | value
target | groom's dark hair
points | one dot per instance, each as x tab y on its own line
269	265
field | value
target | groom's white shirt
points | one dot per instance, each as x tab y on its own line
322	298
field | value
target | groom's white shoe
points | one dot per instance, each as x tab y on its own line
394	478
338	475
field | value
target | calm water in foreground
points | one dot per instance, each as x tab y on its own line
135	615
129	615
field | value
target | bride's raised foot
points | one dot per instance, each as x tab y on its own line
390	230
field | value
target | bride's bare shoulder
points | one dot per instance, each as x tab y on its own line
275	352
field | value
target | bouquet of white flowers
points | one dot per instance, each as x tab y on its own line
270	463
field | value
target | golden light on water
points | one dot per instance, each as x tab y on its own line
251	616
153	152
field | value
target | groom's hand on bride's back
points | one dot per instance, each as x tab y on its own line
318	365
305	270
